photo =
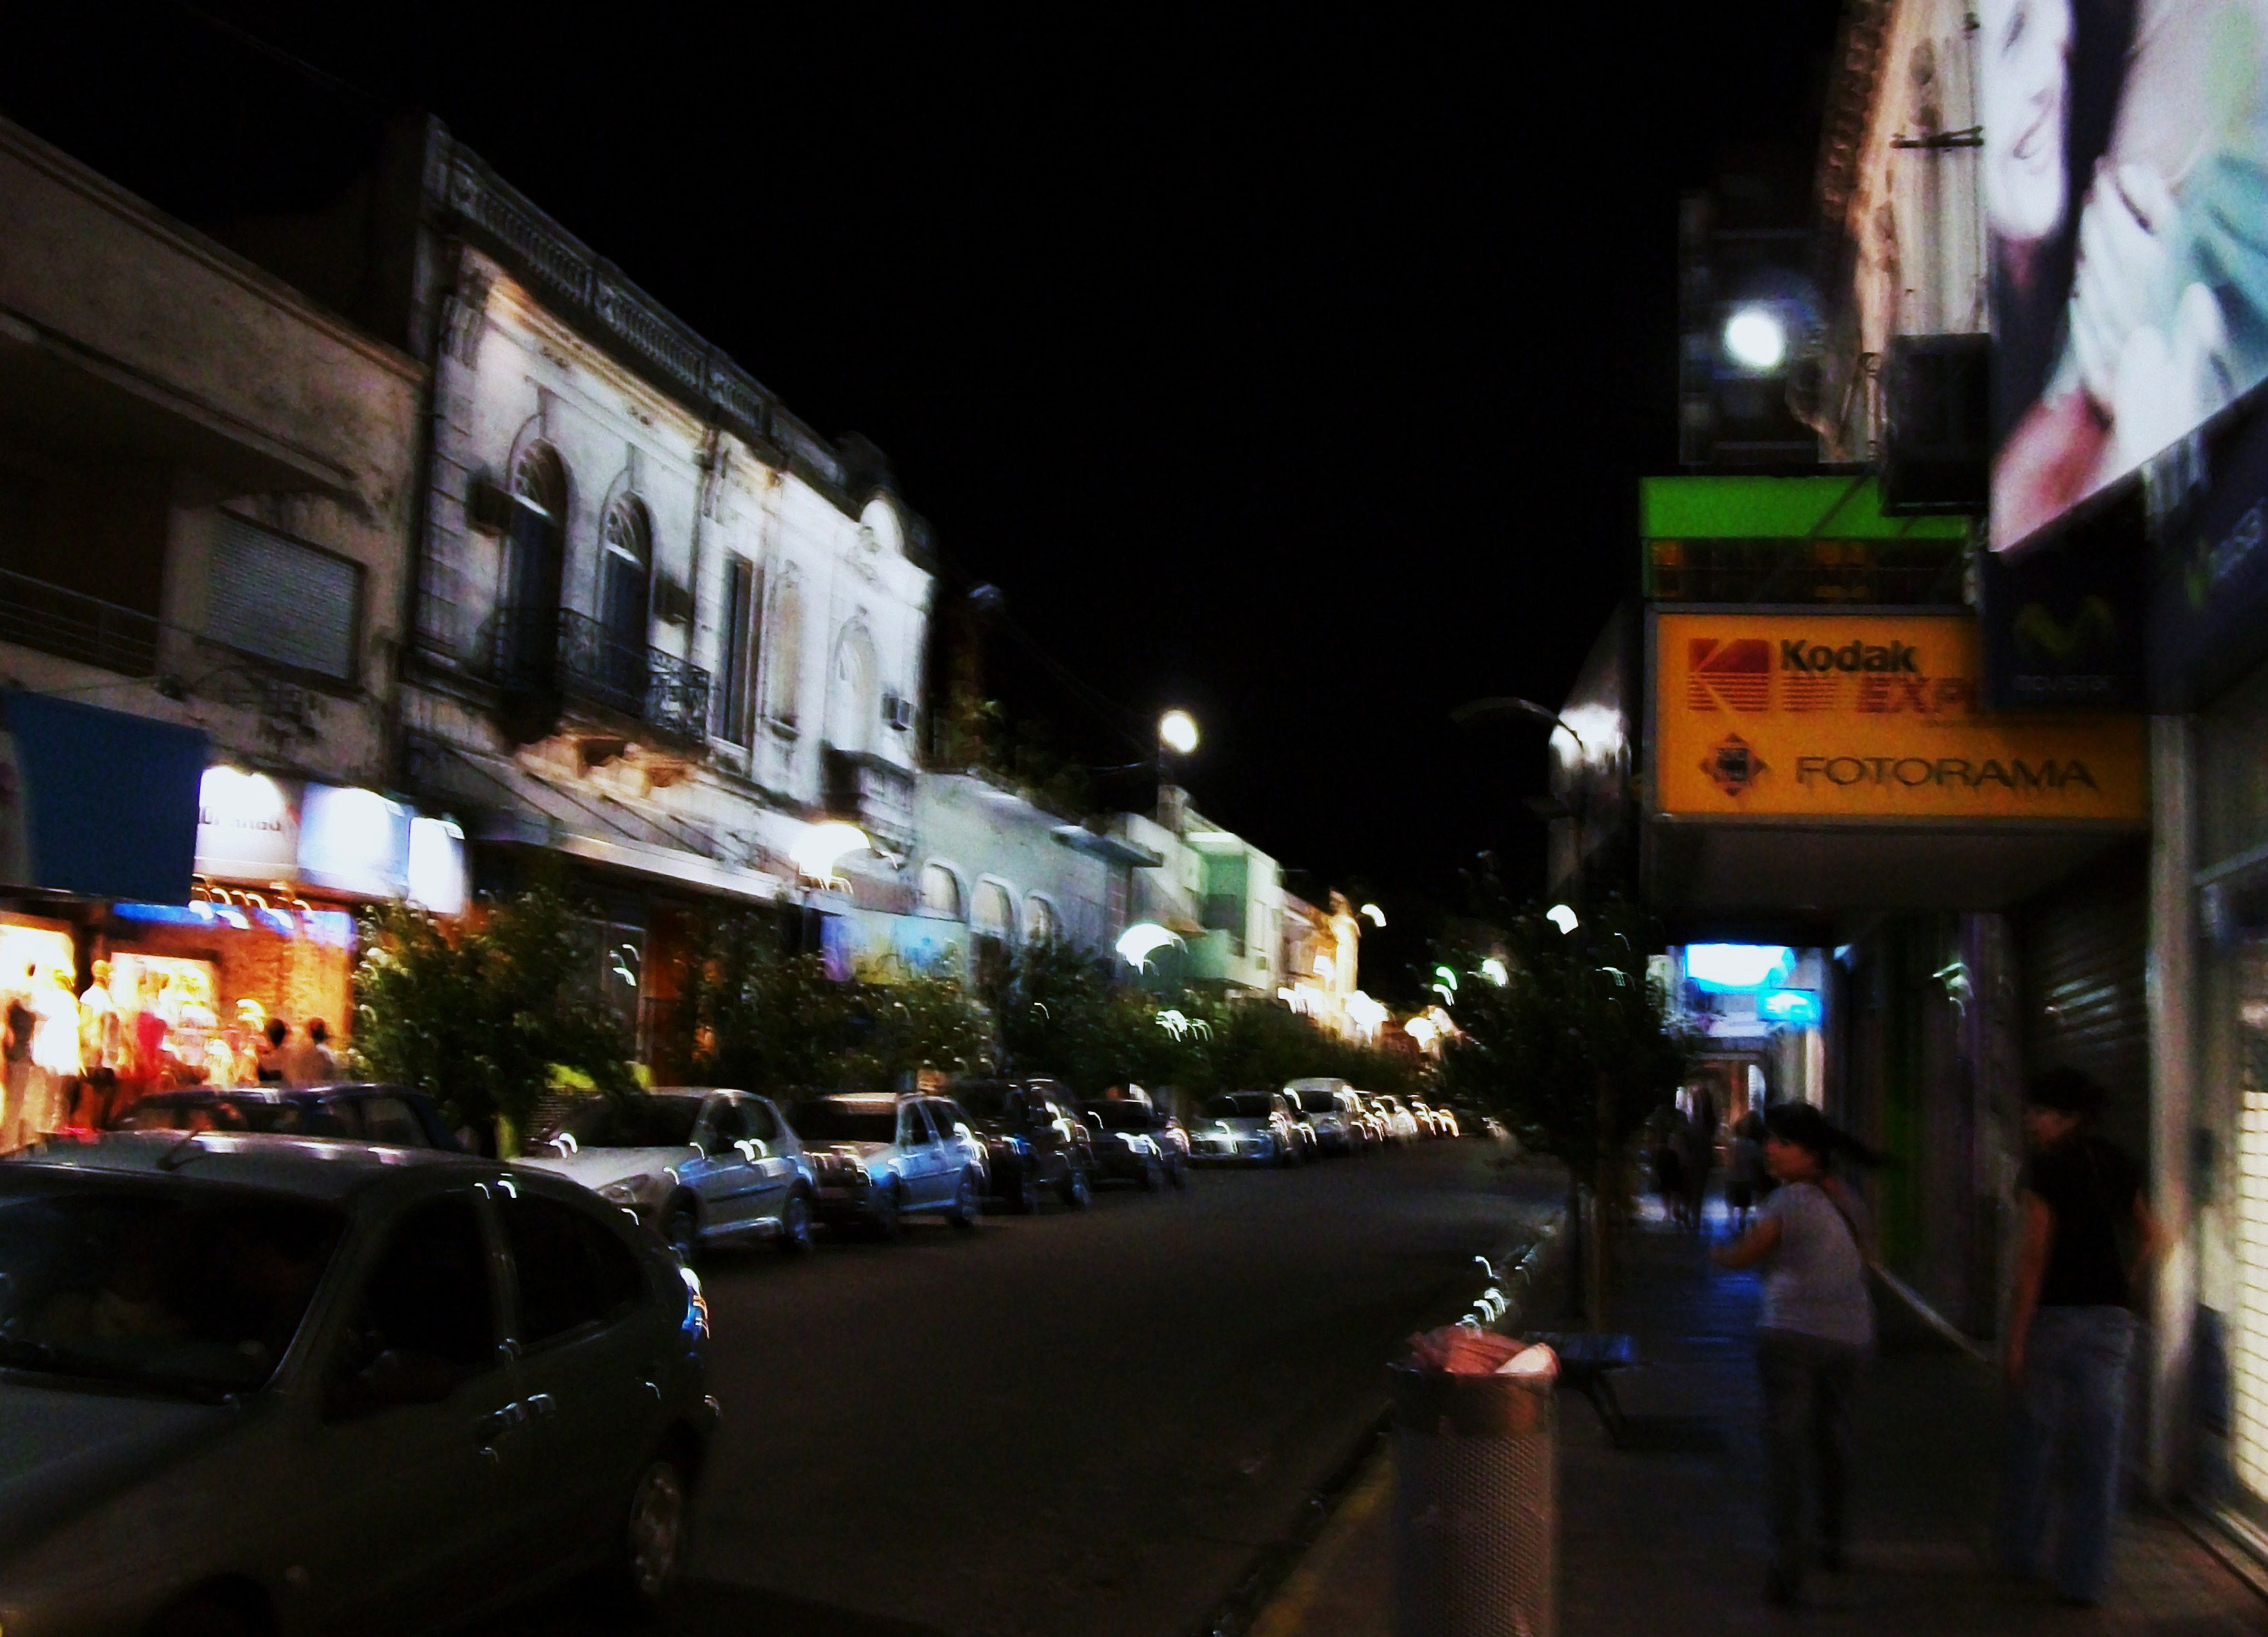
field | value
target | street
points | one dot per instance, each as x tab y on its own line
1063	1423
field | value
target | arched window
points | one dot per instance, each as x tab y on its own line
535	555
990	916
940	892
852	703
625	591
784	643
1041	923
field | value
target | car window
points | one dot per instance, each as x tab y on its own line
570	1271
728	1122
304	1118
763	1124
947	1117
387	1119
425	1320
914	1126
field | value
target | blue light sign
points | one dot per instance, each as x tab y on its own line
1796	1007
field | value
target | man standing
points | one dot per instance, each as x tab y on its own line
2086	1234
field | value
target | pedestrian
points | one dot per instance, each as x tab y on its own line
1816	1329
308	1062
16	1066
2086	1238
1744	1168
1669	1167
1700	1158
268	1053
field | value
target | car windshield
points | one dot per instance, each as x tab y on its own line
986	1100
173	1287
1316	1102
293	1117
630	1122
829	1122
1123	1114
1238	1106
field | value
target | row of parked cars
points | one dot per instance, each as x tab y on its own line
249	1339
1310	1118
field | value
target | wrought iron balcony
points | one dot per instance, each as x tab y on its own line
70	624
573	656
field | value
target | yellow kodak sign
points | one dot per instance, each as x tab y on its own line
1869	717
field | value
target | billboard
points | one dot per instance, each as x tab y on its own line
2126	152
1869	717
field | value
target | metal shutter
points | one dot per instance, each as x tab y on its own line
283	601
2081	954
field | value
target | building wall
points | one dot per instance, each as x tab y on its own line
985	835
227	393
1907	197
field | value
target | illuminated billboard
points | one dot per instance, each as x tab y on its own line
1869	717
2125	154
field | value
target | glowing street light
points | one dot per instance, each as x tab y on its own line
821	846
1177	731
1376	915
1142	940
1756	339
1562	917
1496	971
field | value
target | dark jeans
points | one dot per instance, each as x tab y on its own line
2066	1433
1808	1383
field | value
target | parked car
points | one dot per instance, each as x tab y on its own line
1032	1139
1137	1141
701	1165
880	1158
1400	1124
1430	1121
267	1385
1253	1127
1371	1119
1330	1107
393	1115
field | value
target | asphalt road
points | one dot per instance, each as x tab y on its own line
1085	1424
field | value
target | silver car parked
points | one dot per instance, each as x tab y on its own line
255	1386
880	1158
700	1166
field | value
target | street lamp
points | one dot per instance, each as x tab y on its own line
1562	917
1502	705
1142	940
823	846
1756	339
1177	731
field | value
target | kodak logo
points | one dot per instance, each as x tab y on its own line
1816	656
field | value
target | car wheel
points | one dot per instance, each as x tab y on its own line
202	1616
795	1226
1286	1156
1077	1189
651	1541
967	1203
889	1212
680	1229
1023	1192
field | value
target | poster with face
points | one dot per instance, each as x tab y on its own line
2126	188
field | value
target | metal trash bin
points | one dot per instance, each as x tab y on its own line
1476	1508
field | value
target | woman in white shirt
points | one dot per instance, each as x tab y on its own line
1816	1329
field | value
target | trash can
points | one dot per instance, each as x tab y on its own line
1477	1515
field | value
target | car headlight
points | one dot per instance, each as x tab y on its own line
636	1193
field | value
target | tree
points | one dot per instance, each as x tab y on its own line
917	1021
1575	1048
486	1014
760	1016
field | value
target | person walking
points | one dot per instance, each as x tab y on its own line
1817	1330
1744	1169
2071	1335
308	1060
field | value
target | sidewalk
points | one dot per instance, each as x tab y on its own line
1666	1537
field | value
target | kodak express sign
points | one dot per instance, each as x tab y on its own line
1869	717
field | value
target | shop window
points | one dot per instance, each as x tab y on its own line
573	1277
281	601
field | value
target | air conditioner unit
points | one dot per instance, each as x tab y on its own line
1936	424
899	713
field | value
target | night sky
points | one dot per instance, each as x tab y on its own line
1295	366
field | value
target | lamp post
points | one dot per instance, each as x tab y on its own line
1177	736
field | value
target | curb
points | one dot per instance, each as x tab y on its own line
1525	1259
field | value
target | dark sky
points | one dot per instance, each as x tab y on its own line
1293	365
